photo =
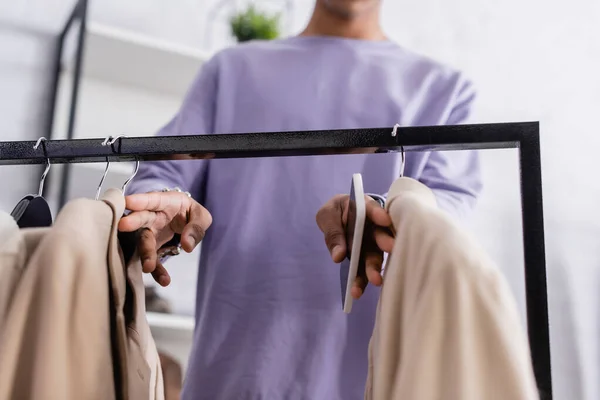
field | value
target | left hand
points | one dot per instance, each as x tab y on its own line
332	220
157	216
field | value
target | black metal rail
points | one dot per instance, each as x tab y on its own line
78	15
524	136
271	144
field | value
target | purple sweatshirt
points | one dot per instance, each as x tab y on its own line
269	320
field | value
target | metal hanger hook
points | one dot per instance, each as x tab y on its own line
137	162
104	143
43	178
137	167
394	133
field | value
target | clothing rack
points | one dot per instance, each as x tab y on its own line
524	136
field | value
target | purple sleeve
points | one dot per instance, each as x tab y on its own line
196	116
455	176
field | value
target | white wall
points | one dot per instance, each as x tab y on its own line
137	112
23	93
531	60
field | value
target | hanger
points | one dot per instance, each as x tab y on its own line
127	240
33	211
111	141
104	143
137	164
394	133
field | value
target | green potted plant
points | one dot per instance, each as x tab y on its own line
252	24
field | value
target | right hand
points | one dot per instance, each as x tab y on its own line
378	238
158	216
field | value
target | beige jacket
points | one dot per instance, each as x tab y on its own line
447	326
16	247
69	328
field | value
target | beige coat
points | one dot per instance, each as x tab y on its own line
447	326
68	329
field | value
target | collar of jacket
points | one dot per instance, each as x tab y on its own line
409	188
8	227
115	199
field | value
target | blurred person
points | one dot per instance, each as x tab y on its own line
269	320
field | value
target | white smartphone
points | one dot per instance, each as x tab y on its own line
355	227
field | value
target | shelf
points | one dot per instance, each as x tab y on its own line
179	323
173	335
128	58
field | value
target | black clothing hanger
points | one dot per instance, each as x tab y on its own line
33	211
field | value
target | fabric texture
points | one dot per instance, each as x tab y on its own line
62	326
136	348
16	247
447	326
269	321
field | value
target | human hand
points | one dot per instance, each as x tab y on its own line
158	216
332	219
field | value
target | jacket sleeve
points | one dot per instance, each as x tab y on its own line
196	116
455	176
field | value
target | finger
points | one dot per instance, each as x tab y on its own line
142	219
180	220
161	275
358	287
330	222
384	239
195	230
163	237
147	250
377	214
183	215
153	201
373	263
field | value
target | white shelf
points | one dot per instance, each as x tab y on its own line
179	323
173	334
128	58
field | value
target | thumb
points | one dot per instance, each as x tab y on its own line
330	221
198	222
336	242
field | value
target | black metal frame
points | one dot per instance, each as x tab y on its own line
79	13
524	136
